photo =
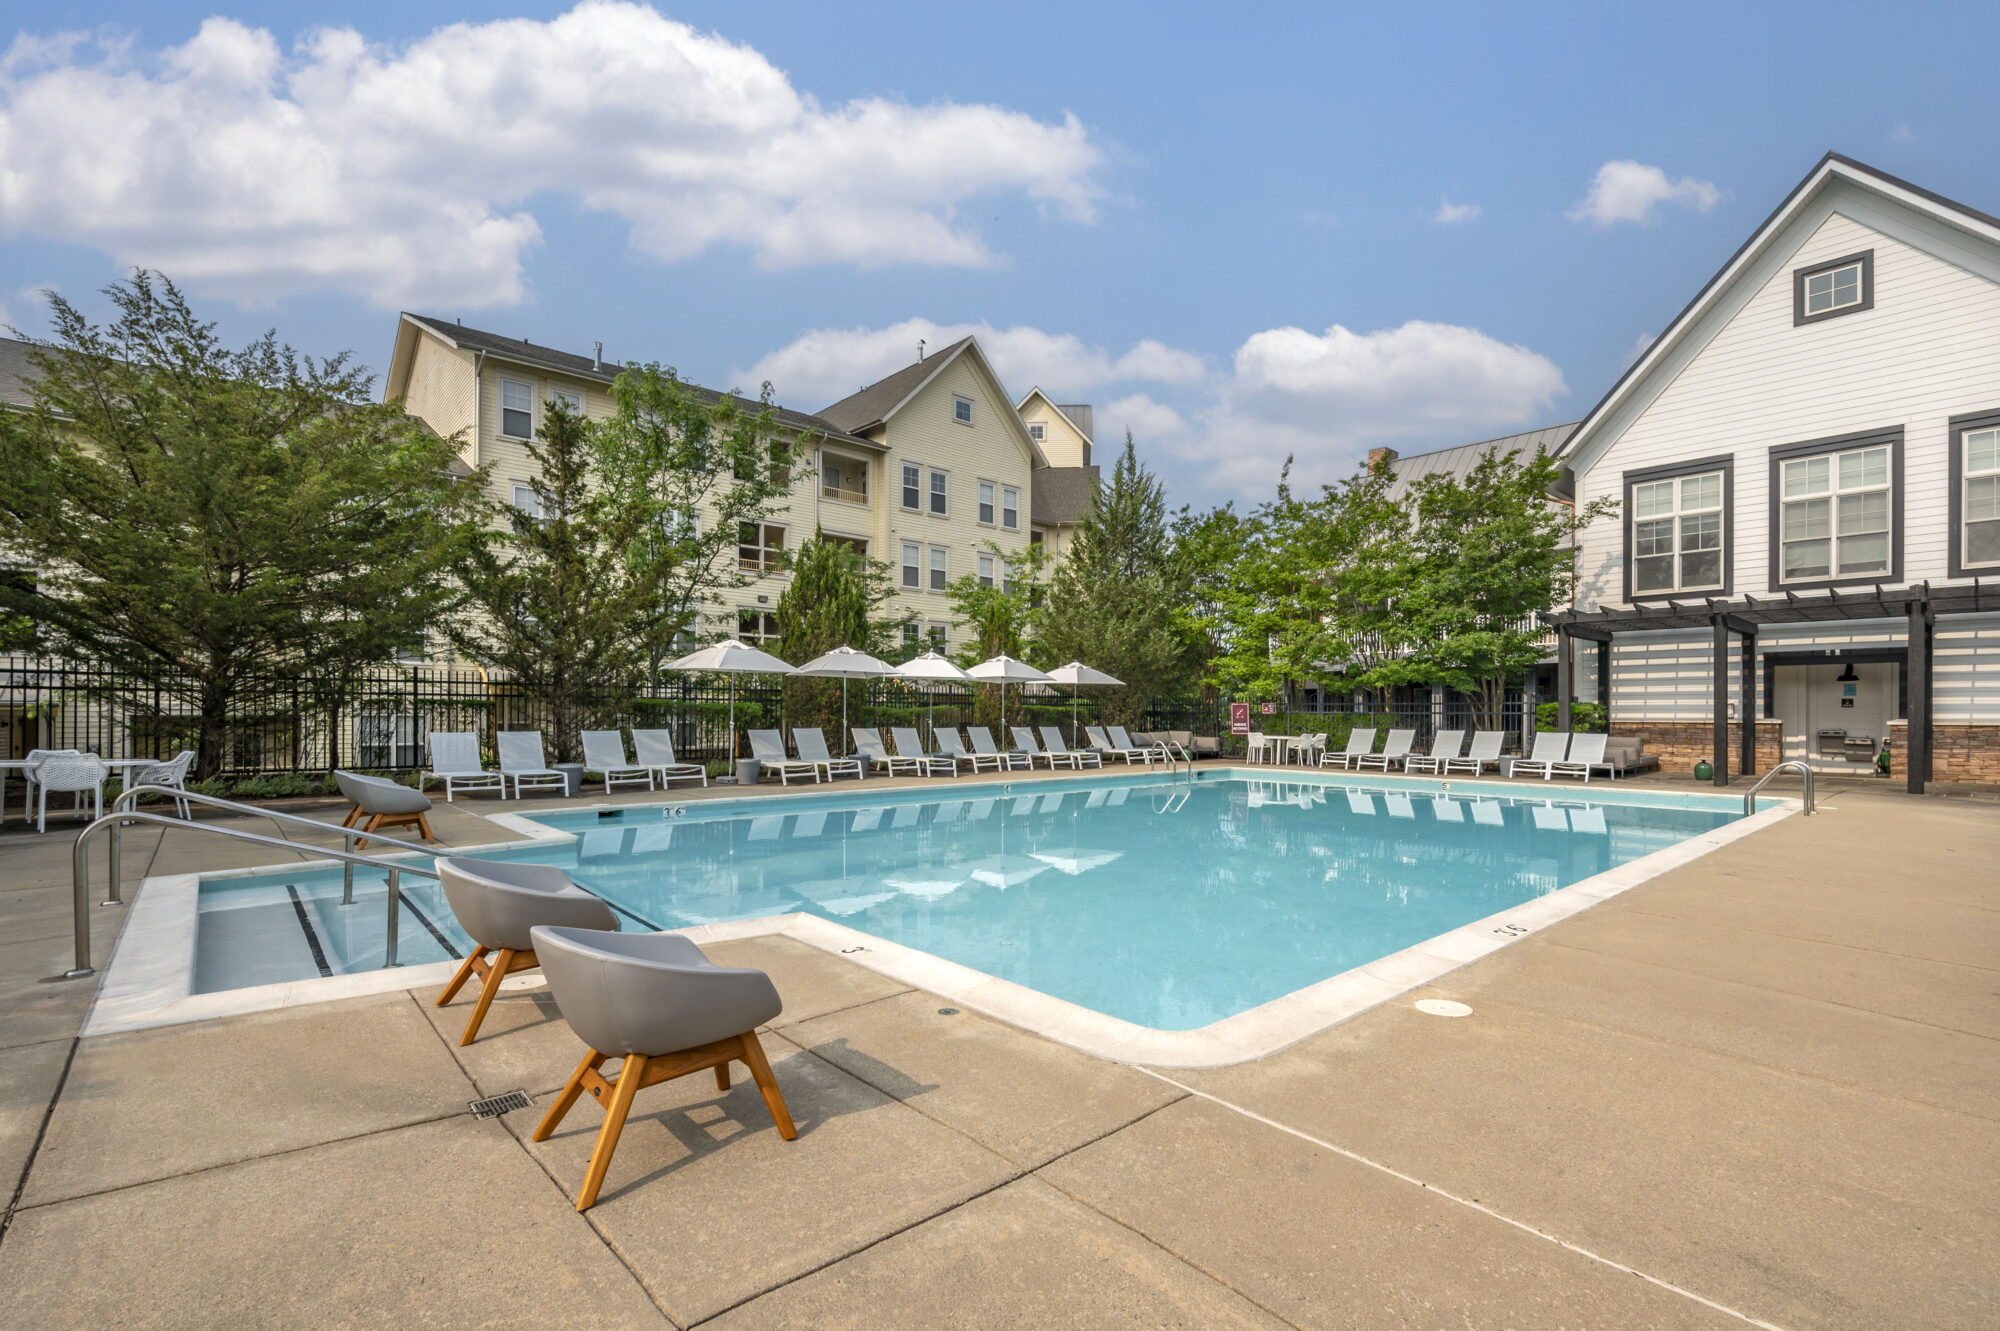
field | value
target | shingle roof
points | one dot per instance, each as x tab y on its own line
859	411
1061	496
584	367
1460	460
17	372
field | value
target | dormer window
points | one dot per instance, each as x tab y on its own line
961	409
1038	431
1841	286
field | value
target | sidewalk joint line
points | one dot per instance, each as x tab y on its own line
41	1132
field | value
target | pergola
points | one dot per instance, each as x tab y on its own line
1920	603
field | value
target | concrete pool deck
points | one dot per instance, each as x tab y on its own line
1758	1089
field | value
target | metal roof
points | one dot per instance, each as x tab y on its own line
1461	459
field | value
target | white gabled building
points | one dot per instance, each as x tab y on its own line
1806	557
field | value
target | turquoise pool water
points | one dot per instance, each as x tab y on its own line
1167	904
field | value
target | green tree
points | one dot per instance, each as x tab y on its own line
1117	599
1000	619
211	522
555	602
825	606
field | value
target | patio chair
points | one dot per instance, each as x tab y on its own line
910	747
1308	750
1360	740
654	749
667	1010
812	748
1100	743
982	743
1585	752
498	904
171	774
67	773
455	761
868	743
1150	743
1052	740
384	803
1027	744
1485	749
1444	747
1254	747
1206	746
522	761
1550	748
604	753
768	748
1394	749
954	748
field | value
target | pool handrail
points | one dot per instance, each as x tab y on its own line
1805	772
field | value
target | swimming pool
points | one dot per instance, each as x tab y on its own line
1168	904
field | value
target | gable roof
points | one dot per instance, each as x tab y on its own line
520	351
1061	496
1462	458
1077	415
1830	171
874	404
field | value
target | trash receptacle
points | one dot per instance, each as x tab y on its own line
572	778
747	771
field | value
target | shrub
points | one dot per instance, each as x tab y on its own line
1584	717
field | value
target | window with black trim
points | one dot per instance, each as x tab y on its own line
1975	495
1677	529
1837	510
1839	286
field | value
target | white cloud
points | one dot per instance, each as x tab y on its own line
406	174
1627	191
1639	347
1902	133
1149	422
826	364
1327	398
1449	213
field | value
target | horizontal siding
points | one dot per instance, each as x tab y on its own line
1927	351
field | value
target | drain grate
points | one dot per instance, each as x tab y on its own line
495	1106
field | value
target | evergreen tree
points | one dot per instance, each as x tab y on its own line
236	529
825	606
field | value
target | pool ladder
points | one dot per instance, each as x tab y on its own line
1177	754
123	813
1790	764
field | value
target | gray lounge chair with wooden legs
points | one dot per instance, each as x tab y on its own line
383	803
499	903
667	1010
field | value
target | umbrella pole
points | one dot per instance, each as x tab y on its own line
732	721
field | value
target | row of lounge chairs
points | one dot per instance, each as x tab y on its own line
1554	754
524	765
910	757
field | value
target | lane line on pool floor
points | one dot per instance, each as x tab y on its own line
1468	1203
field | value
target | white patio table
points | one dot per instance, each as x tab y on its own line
124	767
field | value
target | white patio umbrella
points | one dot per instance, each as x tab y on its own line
732	658
931	668
1077	674
1004	670
843	664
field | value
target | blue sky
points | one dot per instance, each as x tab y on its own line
1227	227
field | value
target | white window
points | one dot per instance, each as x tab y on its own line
1677	534
687	636
1010	508
940	568
1007	583
414	653
843	478
1982	498
986	503
1835	518
913	487
912	633
913	565
569	402
760	547
756	625
517	409
961	409
986	566
1833	290
939	634
527	500
939	506
1038	431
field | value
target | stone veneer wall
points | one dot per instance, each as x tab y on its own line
1958	752
1681	744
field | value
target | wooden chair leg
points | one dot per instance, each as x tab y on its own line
496	973
629	1078
353	815
774	1099
721	1076
592	1060
464	974
424	826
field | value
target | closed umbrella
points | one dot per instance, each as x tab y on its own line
1077	674
843	664
930	667
732	658
1004	670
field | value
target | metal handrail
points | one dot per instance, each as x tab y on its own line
1804	770
115	820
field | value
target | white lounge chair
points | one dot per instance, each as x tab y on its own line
1394	749
768	748
604	753
654	749
1052	740
1444	747
952	747
982	743
1152	744
455	761
910	747
1585	752
868	743
1025	742
812	747
523	762
1101	743
1485	749
1551	746
1360	740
